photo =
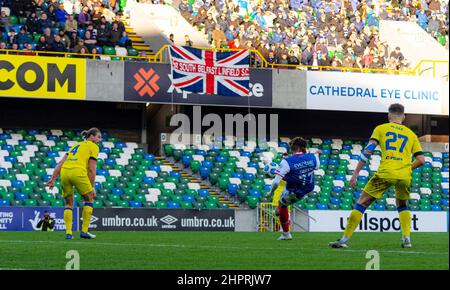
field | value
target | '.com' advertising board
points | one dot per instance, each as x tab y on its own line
367	92
118	219
151	82
42	77
377	221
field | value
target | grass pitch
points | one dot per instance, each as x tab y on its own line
220	250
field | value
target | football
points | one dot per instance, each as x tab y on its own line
270	168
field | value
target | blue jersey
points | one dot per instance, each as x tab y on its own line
298	172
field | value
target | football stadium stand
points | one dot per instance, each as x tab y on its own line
336	33
200	176
126	175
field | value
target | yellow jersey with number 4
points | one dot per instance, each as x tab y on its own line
79	155
398	145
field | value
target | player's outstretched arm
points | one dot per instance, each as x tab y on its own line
363	159
56	172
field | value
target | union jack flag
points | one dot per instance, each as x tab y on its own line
210	72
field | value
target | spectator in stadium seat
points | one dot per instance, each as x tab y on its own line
61	16
422	19
96	16
57	45
64	39
28	49
114	34
44	22
188	41
71	24
433	25
23	36
12	37
397	54
125	41
102	35
2	47
218	37
172	38
5	21
42	44
185	9
95	52
292	59
271	59
48	36
89	41
51	13
32	23
118	21
80	46
73	37
84	18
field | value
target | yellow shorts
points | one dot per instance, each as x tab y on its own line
377	186
75	177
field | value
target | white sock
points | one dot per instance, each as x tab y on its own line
344	239
406	238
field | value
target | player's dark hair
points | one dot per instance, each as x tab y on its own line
396	109
91	132
298	144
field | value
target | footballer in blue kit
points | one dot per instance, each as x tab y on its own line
298	172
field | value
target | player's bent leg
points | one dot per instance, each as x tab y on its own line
356	215
283	210
404	216
68	216
86	214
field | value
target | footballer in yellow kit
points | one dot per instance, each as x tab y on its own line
78	169
398	145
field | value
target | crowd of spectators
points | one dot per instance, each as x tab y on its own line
78	26
339	33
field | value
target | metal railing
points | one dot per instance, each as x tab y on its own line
149	58
438	68
257	60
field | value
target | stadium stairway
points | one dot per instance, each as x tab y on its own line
137	42
187	173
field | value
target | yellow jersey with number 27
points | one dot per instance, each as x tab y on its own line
398	144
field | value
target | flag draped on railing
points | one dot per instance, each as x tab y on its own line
210	72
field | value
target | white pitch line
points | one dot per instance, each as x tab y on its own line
217	247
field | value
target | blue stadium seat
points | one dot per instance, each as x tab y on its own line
321	206
207	163
232	189
21	196
154	168
186	160
4	202
117	191
435	207
149	157
135	203
175	174
148	180
105	150
188	198
17	183
173	204
203	192
204	172
380	207
335	200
